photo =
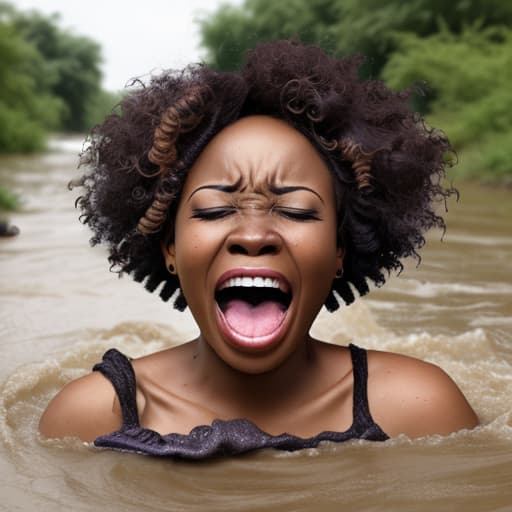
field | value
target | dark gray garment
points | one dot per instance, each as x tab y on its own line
229	437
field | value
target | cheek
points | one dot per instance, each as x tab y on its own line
188	250
315	255
319	274
196	246
317	251
192	240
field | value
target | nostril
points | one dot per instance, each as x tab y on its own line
267	249
237	249
256	251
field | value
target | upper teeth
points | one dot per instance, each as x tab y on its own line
247	282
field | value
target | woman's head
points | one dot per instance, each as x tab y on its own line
385	165
254	241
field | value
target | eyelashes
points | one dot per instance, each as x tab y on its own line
215	213
221	212
301	214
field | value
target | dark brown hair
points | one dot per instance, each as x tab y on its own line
387	166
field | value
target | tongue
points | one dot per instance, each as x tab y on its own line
253	321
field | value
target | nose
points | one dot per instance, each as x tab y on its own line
254	237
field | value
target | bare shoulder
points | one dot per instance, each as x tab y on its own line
85	408
416	398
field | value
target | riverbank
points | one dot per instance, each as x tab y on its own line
492	167
8	201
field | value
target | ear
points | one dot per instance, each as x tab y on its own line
169	251
340	256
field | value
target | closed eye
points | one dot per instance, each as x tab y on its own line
214	213
300	214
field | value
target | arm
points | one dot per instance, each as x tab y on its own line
85	408
412	397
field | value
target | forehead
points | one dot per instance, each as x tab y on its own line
259	151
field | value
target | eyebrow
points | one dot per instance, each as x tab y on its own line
222	188
279	191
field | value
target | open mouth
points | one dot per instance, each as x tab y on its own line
253	307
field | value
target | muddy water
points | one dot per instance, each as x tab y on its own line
61	308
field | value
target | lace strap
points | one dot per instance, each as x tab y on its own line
362	419
118	369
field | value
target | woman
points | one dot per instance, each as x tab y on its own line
256	198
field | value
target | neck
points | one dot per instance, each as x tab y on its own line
242	391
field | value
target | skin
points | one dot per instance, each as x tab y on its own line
277	212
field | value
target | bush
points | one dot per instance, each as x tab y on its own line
8	201
100	106
19	133
468	77
49	78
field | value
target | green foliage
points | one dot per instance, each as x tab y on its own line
49	80
469	76
101	105
8	201
460	68
369	26
27	108
71	65
233	30
487	161
496	158
19	133
341	26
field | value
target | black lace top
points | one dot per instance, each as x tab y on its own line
222	437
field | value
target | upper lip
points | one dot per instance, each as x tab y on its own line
284	285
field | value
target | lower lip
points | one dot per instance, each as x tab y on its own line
246	343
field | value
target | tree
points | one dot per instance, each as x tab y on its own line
72	65
233	30
27	108
469	76
341	26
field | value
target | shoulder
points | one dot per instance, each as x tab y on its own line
416	398
85	408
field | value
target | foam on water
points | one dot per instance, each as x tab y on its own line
24	395
430	290
470	359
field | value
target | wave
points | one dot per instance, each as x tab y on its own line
471	358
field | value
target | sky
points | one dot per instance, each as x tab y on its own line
137	37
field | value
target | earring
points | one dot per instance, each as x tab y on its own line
339	273
171	269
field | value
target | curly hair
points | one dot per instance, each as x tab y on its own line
387	166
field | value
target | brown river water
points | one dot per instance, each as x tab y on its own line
61	309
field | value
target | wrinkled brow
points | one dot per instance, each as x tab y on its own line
222	188
278	191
